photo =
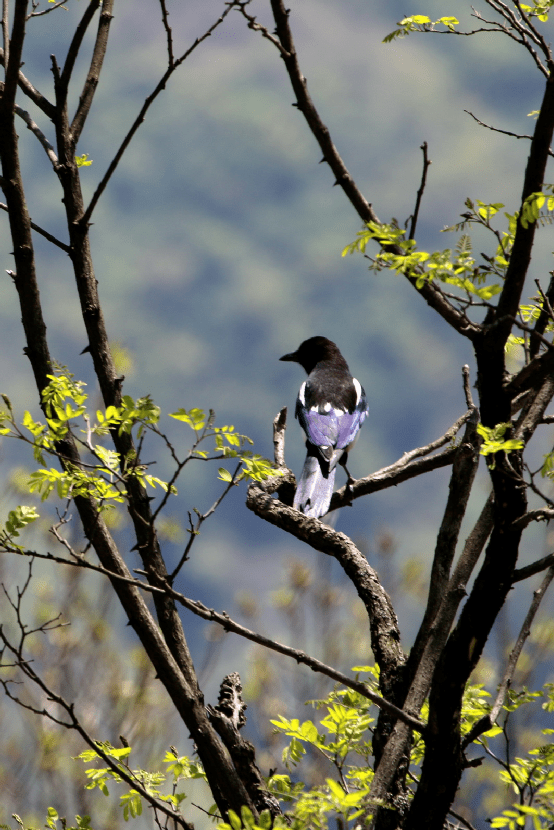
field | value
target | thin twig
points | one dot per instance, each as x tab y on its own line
85	219
195	529
44	233
467	387
426	165
486	722
257	27
75	724
168	33
230	625
504	132
48	10
461	819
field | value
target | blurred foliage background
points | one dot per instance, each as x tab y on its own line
217	249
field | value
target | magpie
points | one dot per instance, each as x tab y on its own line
331	407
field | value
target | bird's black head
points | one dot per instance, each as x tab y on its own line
313	351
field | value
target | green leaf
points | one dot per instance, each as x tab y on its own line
20	518
234	820
493	440
195	418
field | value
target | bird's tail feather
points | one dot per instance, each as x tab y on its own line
314	490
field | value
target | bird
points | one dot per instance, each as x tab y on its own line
331	407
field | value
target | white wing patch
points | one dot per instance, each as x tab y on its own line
358	388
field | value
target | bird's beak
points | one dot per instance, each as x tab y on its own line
292	356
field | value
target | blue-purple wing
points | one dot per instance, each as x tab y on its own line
329	428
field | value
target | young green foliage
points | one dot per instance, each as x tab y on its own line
104	474
421	23
131	801
493	440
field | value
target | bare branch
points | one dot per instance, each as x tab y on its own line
257	27
485	723
15	47
405	468
168	32
91	82
429	291
75	724
34	128
504	132
194	530
6	29
37	97
426	165
222	619
44	233
62	83
62	3
464	469
85	219
539	565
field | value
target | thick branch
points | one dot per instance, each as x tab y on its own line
464	469
385	635
62	85
91	82
534	177
400	737
15	52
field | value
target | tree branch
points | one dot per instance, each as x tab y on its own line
62	84
407	467
91	82
75	724
504	132
34	128
464	469
534	567
486	722
27	87
15	52
43	233
229	625
432	295
426	164
85	218
534	177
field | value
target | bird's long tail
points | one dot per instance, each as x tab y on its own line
315	488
